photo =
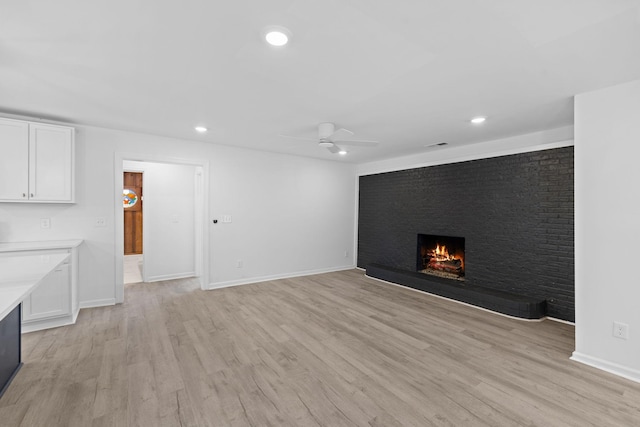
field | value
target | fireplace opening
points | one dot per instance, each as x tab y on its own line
441	256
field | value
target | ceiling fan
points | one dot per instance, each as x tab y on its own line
329	138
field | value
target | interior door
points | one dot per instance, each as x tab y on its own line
132	204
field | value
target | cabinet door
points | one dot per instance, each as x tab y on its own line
51	298
14	159
50	163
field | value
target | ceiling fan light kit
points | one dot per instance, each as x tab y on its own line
325	143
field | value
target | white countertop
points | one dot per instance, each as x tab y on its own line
20	275
35	246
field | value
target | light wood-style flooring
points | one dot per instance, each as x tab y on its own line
335	349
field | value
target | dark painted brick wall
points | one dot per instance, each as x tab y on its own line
515	213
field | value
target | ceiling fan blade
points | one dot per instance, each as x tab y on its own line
298	137
358	143
334	149
340	133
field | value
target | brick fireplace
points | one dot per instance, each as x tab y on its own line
515	213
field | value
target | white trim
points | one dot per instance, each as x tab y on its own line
202	250
43	324
134	170
553	319
98	303
468	157
603	365
170	277
459	302
566	322
145	235
276	277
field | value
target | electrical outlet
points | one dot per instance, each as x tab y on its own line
45	223
226	218
620	330
346	253
239	263
101	222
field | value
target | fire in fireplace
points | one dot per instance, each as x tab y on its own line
441	256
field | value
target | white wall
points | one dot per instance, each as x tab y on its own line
291	215
169	219
607	196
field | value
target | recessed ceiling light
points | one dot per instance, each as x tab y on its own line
276	38
201	129
342	152
277	35
478	120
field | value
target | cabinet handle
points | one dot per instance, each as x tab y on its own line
24	194
31	194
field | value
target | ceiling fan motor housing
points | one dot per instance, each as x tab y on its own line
325	130
324	142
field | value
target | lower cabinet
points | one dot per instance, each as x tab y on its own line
55	301
51	299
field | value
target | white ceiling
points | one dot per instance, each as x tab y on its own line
407	73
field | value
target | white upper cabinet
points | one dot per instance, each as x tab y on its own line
50	163
37	162
14	160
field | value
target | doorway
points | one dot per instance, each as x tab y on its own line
200	214
132	204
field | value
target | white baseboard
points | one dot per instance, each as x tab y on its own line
98	303
477	307
170	276
613	368
566	322
248	281
46	324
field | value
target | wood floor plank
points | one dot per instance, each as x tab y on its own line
335	349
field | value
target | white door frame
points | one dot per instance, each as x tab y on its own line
202	215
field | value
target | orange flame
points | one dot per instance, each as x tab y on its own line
440	253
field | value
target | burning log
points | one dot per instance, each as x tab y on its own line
438	261
450	265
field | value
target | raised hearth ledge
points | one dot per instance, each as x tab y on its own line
499	301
